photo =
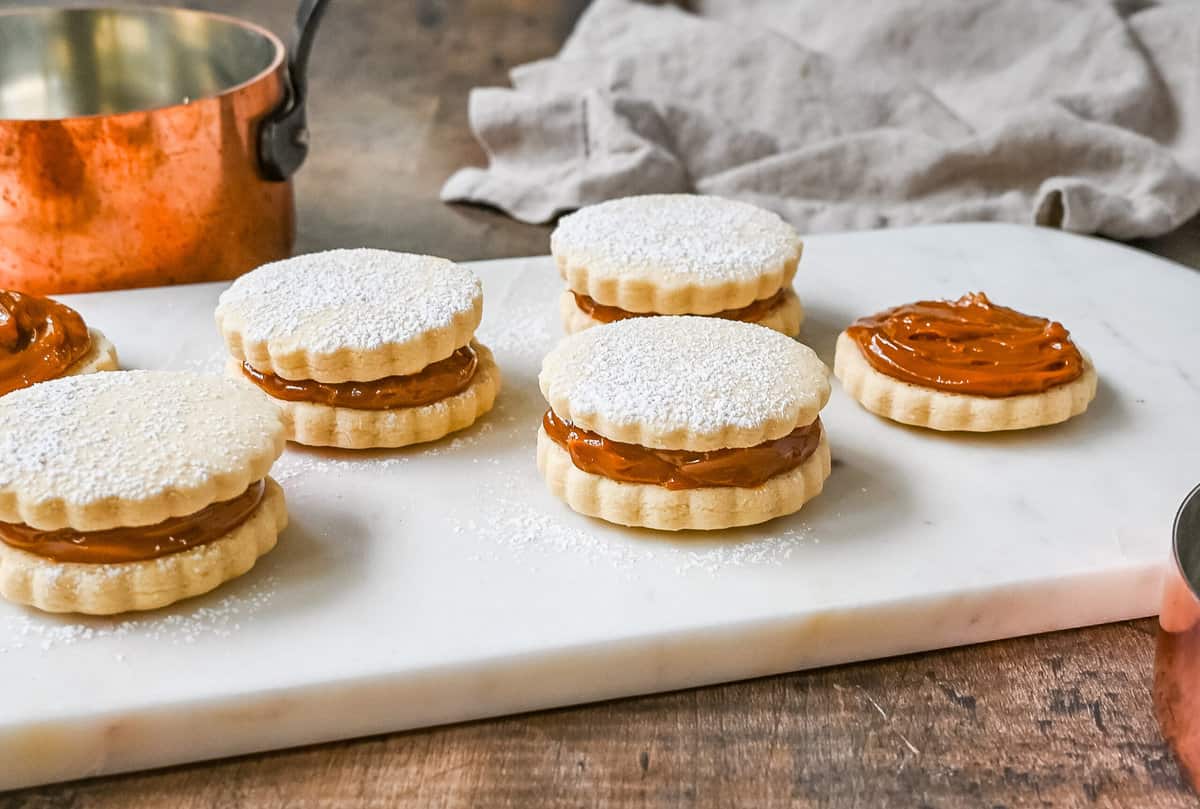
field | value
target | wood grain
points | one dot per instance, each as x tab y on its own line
1055	720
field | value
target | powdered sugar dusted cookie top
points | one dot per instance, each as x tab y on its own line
692	383
130	448
675	253
348	315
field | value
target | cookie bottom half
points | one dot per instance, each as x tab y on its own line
648	506
786	318
319	425
107	589
940	410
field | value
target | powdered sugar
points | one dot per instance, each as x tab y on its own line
298	463
130	435
771	550
349	299
704	239
507	525
527	331
221	618
669	375
213	363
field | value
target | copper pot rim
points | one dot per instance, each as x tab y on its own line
276	61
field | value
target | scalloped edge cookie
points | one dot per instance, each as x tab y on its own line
101	356
621	277
656	294
569	386
318	425
305	317
107	589
786	318
50	512
354	365
645	505
934	409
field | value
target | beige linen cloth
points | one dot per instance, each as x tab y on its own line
844	114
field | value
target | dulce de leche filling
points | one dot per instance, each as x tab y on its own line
432	383
138	544
969	346
39	340
752	313
745	467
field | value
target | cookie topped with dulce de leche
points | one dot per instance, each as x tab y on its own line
677	254
683	423
967	364
362	348
42	339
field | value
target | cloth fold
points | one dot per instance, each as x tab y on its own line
1079	114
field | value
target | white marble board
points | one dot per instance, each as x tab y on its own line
443	583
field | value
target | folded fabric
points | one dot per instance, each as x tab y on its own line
1079	114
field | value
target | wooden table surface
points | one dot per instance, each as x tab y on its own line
1055	720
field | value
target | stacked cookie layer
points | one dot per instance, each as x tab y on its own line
131	490
362	348
683	422
677	254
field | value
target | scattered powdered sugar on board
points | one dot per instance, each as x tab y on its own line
454	444
185	624
214	363
685	236
770	550
508	525
297	463
526	331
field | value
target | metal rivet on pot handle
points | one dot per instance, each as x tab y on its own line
283	137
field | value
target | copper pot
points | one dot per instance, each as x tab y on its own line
1177	661
146	146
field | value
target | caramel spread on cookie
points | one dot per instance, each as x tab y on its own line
752	313
744	467
39	340
118	545
432	383
969	346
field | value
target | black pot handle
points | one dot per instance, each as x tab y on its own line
283	136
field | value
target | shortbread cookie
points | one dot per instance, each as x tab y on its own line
132	490
42	339
101	356
362	348
964	365
320	425
347	315
683	422
677	254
